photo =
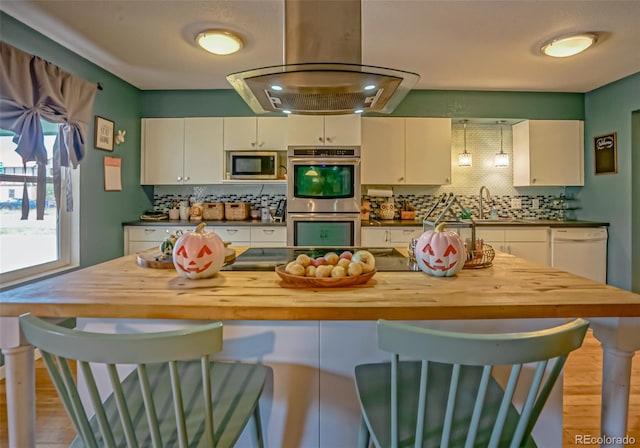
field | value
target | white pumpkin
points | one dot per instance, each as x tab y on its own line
198	254
440	252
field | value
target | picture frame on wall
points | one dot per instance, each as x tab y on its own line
103	133
606	153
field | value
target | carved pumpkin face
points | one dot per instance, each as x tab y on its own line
440	253
198	254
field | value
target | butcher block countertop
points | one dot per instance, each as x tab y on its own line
511	288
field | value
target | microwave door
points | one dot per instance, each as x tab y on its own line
253	165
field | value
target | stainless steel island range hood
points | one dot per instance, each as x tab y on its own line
323	73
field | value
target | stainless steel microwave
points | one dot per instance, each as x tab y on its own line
258	165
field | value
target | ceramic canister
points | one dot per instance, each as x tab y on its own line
387	210
195	212
184	212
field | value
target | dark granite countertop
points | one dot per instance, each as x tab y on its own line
491	223
383	223
166	222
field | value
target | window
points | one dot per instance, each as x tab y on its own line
32	247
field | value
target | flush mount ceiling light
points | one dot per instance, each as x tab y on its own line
220	42
502	159
464	158
565	46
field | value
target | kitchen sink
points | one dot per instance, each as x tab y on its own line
500	220
506	221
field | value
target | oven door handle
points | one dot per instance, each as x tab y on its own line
324	216
331	160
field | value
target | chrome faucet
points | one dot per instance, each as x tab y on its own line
483	188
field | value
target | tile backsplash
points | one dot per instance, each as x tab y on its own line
424	203
164	195
483	142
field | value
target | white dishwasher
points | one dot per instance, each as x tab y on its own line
581	251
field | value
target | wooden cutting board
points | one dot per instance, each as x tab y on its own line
152	258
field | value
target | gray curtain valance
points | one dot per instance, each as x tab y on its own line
32	89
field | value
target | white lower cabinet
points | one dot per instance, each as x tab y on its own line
268	236
531	243
236	235
389	236
140	238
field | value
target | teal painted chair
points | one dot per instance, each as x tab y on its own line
175	396
447	394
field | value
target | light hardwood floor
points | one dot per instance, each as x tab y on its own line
583	374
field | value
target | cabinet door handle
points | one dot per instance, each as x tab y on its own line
386	236
232	230
401	179
179	178
260	144
533	180
268	231
253	144
328	139
187	178
321	139
149	230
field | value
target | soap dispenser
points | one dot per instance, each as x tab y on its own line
494	213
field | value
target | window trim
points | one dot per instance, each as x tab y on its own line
68	243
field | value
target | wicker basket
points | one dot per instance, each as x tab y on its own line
407	214
237	211
213	211
480	258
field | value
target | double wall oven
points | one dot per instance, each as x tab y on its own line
323	196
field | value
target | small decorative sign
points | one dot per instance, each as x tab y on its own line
103	133
606	157
112	173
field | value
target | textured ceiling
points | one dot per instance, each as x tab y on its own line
452	44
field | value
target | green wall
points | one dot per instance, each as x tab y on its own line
418	103
635	201
101	213
609	197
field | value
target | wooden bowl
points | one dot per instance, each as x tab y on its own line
326	282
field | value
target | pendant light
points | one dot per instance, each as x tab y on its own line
464	158
502	159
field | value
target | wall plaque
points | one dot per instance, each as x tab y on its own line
605	150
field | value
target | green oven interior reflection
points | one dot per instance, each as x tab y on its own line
328	182
324	233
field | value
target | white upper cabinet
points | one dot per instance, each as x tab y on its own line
548	153
428	151
411	151
255	133
382	157
177	151
324	130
